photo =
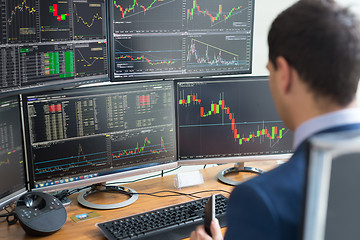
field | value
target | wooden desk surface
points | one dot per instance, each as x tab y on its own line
88	230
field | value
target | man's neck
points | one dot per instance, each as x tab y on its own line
321	108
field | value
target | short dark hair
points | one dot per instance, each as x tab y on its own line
321	41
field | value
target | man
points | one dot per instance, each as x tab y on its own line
314	65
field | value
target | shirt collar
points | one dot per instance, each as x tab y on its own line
326	121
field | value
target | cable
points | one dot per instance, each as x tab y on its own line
212	190
144	178
154	194
193	195
66	193
10	216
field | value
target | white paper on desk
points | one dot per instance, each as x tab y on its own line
187	179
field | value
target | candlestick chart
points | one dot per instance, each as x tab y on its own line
229	118
156	38
220	14
147	15
88	133
55	25
146	145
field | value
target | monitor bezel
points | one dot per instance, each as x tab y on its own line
226	159
104	176
182	74
235	159
60	83
12	197
107	178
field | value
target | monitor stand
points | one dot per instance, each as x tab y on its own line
238	167
103	188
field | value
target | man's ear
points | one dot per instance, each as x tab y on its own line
285	74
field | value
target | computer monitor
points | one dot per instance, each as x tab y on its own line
229	120
46	43
12	165
180	38
92	135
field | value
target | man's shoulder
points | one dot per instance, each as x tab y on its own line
278	185
287	172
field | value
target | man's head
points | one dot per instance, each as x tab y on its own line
320	41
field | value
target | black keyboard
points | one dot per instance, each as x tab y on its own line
172	222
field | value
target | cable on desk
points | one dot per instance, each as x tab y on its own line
66	193
144	178
193	195
10	216
175	194
212	190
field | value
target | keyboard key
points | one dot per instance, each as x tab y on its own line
172	222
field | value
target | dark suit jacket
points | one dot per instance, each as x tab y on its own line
270	206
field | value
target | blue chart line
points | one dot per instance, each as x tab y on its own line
154	57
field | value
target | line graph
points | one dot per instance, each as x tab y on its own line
69	157
89	22
79	160
90	62
217	52
144	54
21	20
90	59
21	8
147	15
217	58
229	118
143	59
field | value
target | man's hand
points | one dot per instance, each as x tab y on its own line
200	234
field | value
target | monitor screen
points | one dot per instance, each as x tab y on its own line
176	38
229	120
52	42
12	166
92	134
